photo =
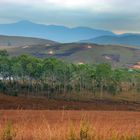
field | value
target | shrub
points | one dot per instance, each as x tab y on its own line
72	133
8	133
84	131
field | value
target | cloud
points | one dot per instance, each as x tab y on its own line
79	4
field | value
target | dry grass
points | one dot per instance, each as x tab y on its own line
69	125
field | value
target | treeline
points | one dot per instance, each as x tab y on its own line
51	77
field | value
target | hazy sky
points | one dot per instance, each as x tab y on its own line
117	15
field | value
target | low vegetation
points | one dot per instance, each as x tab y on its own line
7	133
69	125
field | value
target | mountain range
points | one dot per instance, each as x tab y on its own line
86	45
52	32
124	39
64	34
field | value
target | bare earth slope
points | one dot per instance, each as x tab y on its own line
8	102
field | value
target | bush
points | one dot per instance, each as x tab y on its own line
72	133
8	133
84	131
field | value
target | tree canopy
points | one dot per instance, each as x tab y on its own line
29	75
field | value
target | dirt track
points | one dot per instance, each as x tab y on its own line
7	102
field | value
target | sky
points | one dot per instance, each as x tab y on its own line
116	15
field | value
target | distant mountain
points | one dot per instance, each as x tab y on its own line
22	41
52	32
124	39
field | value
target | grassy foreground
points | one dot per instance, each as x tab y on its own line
69	125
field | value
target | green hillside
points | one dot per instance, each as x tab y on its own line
83	53
9	41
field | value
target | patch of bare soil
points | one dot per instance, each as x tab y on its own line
29	103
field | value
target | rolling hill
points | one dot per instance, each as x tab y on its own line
83	53
16	41
124	39
51	32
